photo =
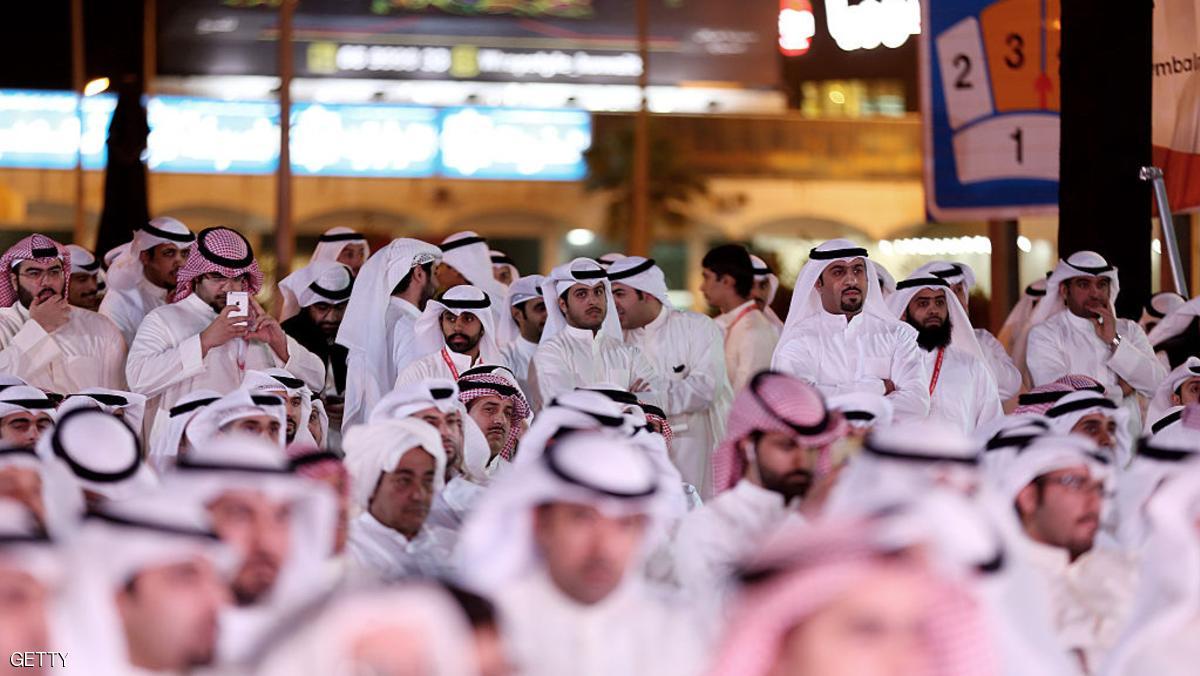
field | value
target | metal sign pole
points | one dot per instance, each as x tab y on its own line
1155	176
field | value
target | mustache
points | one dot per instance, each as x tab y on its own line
848	289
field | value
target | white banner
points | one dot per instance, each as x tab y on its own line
1176	72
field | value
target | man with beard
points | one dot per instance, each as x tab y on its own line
453	334
961	387
86	287
841	337
43	340
145	272
1075	330
467	260
528	311
389	294
396	468
196	343
321	303
778	427
582	343
1098	418
498	407
749	336
1058	485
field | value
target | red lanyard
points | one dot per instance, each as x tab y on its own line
449	363
743	313
937	370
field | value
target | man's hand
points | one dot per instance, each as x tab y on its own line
267	330
1126	388
51	313
222	330
639	385
888	387
1105	324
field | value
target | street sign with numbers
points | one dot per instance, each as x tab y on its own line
990	95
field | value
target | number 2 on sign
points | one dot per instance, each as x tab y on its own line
1017	136
962	61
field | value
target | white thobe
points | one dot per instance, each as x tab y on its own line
516	355
1090	598
385	552
576	358
367	382
434	366
635	631
454	503
127	308
714	538
965	395
687	349
1006	373
167	362
839	357
750	338
1066	344
87	351
1167	653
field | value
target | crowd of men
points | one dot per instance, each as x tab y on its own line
428	462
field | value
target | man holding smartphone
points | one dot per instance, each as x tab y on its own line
213	330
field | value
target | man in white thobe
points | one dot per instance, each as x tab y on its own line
761	478
841	336
961	279
389	293
582	343
750	338
528	310
43	339
961	388
1098	418
146	270
1180	388
453	334
1058	485
1075	330
559	542
87	286
688	349
396	469
467	260
336	245
195	343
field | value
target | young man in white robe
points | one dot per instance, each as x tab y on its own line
841	337
453	334
961	387
43	340
582	343
194	342
87	286
389	293
467	260
559	543
1075	330
145	272
336	245
529	313
778	429
1058	485
750	338
1181	387
688	348
396	467
1098	418
961	279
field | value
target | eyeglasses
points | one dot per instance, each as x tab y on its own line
1078	484
37	275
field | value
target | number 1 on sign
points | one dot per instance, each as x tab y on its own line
1017	137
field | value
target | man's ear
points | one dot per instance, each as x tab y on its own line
1176	400
1027	500
1064	287
144	255
820	281
516	312
562	306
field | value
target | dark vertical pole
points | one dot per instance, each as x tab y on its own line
1106	91
78	80
639	232
285	244
1006	282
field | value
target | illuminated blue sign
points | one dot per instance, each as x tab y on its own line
40	130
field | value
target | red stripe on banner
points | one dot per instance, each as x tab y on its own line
1181	172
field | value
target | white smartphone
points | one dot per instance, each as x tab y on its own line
240	300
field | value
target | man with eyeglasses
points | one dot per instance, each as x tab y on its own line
198	342
1058	486
45	341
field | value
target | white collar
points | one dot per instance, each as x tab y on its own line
405	306
196	304
582	334
377	531
735	312
750	492
151	288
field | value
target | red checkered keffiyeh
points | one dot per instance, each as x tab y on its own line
472	387
38	248
1043	397
773	402
222	251
655	414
